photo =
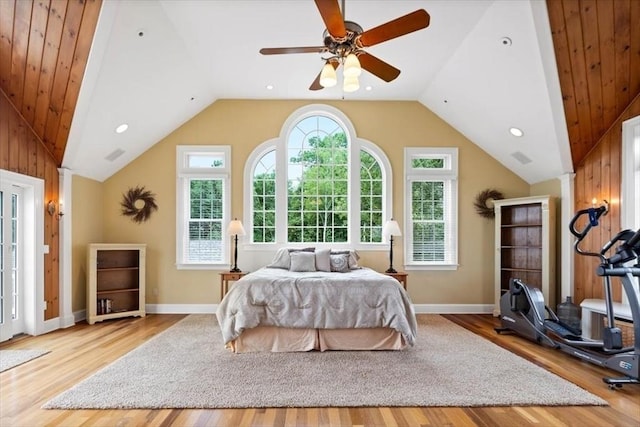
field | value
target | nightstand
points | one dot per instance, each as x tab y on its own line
401	277
225	278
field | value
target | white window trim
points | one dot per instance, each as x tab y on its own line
183	174
280	145
630	164
449	174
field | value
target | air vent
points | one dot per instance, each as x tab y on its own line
519	156
117	153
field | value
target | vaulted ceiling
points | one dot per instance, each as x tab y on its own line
45	46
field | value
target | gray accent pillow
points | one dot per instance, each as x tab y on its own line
323	262
353	257
302	261
339	263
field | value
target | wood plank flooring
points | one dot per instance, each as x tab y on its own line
79	351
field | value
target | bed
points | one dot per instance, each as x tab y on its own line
283	309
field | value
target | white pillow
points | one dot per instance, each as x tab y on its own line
323	262
281	259
302	261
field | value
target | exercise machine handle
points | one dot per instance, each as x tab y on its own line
617	271
627	251
594	216
634	241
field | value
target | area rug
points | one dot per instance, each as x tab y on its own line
186	366
12	358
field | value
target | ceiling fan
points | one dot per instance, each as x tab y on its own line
345	42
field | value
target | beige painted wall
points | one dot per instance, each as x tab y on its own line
244	124
88	227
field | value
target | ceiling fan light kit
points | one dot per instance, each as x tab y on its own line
345	42
350	84
352	66
328	77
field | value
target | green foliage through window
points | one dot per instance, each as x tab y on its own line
205	219
317	184
317	188
427	163
427	214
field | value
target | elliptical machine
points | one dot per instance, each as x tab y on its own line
523	311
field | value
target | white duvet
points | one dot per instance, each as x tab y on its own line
361	298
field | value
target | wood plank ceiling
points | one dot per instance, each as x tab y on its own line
44	46
597	45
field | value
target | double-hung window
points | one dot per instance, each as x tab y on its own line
431	188
203	204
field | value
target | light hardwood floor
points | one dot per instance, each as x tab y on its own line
79	351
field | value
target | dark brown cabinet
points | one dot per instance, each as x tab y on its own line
525	245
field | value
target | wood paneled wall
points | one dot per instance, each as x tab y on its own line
599	176
21	151
44	47
597	46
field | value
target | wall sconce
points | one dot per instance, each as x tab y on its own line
51	209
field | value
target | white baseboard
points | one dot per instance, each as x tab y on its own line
181	308
80	315
211	308
419	308
454	308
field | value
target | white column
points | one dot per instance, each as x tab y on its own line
66	291
566	238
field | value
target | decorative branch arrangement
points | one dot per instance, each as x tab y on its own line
138	204
481	200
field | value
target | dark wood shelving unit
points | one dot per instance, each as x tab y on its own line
525	245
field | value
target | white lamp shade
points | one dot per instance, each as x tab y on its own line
351	84
236	228
328	76
391	228
352	66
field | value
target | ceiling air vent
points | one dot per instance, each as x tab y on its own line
117	153
519	156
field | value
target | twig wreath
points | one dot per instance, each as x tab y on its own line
138	204
481	200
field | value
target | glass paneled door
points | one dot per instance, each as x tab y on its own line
11	318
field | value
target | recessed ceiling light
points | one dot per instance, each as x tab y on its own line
368	88
516	132
123	127
269	87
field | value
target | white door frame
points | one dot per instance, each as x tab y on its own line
34	249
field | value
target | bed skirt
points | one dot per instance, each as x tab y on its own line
275	339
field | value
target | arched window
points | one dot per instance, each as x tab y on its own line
317	183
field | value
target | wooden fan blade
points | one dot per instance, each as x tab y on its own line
332	17
406	24
281	50
378	67
316	83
